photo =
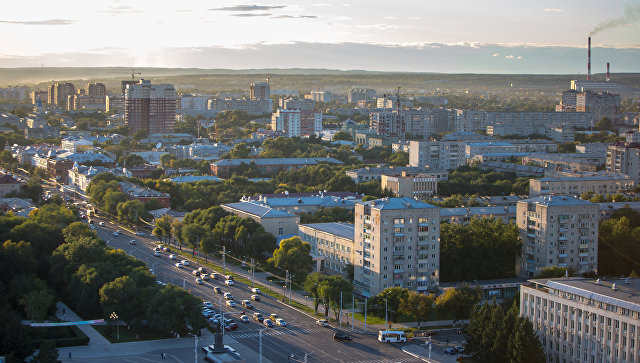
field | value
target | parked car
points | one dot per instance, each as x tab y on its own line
157	253
139	233
178	265
199	281
244	319
217	289
258	317
459	349
255	297
229	282
268	323
173	257
167	249
322	322
247	304
231	327
101	224
207	304
342	337
185	262
207	313
281	322
255	290
449	351
431	333
462	330
132	242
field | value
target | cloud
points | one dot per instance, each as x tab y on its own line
551	10
251	15
321	4
496	54
251	7
121	9
295	17
40	22
631	17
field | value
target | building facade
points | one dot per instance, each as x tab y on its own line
150	108
333	242
276	222
419	186
624	159
608	183
259	91
58	94
296	122
557	231
397	244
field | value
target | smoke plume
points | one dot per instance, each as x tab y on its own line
631	15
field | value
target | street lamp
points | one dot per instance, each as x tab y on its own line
195	347
115	316
260	335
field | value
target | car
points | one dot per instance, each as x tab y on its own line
215	275
167	249
229	282
90	221
229	277
322	322
209	348
255	297
202	269
157	253
132	242
205	277
207	304
281	322
231	327
268	323
157	249
255	290
231	303
462	330
116	233
258	317
244	318
207	313
449	351
194	272
273	317
173	257
151	271
228	296
431	333
342	337
139	233
101	224
178	265
459	349
199	281
217	289
185	262
247	304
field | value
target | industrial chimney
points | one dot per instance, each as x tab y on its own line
589	60
607	71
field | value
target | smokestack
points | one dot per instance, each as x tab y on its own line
607	71
589	60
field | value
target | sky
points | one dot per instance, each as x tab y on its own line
458	36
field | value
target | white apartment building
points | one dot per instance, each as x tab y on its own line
193	103
471	120
332	242
599	183
624	159
584	320
397	243
437	155
297	122
557	231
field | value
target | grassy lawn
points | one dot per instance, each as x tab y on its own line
371	319
130	335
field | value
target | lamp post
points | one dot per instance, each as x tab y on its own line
195	347
115	316
260	335
306	355
290	287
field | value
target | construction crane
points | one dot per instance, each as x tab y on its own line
133	74
268	78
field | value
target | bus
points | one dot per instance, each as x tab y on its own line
392	336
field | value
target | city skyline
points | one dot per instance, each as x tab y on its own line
459	36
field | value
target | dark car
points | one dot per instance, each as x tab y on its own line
342	337
449	351
255	297
459	349
247	304
431	333
217	289
230	327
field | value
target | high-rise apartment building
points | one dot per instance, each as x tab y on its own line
584	320
58	94
601	104
297	122
557	231
96	90
397	243
356	95
624	159
150	107
297	103
423	122
259	91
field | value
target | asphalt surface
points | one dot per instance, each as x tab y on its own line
300	336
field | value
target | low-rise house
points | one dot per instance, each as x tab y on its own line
9	184
278	223
298	203
599	183
143	194
333	242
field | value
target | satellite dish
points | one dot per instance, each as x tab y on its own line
158	145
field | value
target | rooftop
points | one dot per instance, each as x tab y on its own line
464	211
276	161
137	191
344	230
397	203
257	209
194	178
578	177
557	200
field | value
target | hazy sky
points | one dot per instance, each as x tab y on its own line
536	36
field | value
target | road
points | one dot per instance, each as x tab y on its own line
299	337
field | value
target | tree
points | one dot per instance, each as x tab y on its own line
416	305
131	160
163	226
604	124
554	271
111	199
293	255
312	286
523	345
342	135
132	211
240	151
193	234
78	229
334	290
48	353
37	304
16	259
166	159
392	297
399	158
208	245
173	309
459	301
32	189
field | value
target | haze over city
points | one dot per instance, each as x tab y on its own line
426	36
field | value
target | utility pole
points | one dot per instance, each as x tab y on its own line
224	265
290	287
353	310
305	356
253	273
386	320
365	314
340	320
195	347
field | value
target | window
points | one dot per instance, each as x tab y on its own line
280	231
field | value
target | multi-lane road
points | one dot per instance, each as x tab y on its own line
299	337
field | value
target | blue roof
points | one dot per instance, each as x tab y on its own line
473	211
398	203
557	200
194	178
258	209
344	230
326	201
277	161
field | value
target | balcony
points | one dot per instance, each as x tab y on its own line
398	253
398	271
366	230
584	254
423	224
564	238
584	245
398	234
562	255
398	226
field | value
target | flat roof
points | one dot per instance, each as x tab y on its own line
557	200
398	203
344	230
258	209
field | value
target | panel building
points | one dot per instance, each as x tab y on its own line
584	320
150	107
557	231
296	122
259	91
412	185
397	243
624	159
58	94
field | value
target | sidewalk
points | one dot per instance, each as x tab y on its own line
100	347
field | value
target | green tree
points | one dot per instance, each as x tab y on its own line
334	289
131	160
208	245
32	189
392	297
15	259
78	229
167	159
293	255
48	353
132	211
111	199
312	285
173	309
399	158
163	226
193	234
240	151
604	124
458	302
37	304
342	135
523	345
417	306
554	271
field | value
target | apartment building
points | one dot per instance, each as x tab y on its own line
418	186
333	242
599	104
599	183
58	93
251	106
369	173
446	154
471	120
624	159
319	96
296	122
356	95
290	103
278	223
557	231
150	107
259	91
584	320
397	243
422	122
577	161
463	215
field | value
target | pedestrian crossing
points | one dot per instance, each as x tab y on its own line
392	360
273	332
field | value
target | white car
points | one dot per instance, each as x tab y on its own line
255	290
322	322
281	322
207	304
139	233
231	303
101	224
178	265
244	319
157	253
116	233
229	282
228	296
199	281
185	262
173	257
